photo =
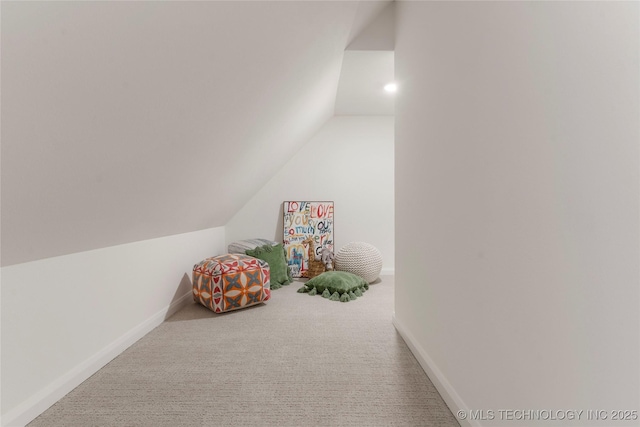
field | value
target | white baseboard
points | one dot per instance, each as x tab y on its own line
28	410
388	271
448	393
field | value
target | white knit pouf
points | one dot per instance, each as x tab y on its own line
360	258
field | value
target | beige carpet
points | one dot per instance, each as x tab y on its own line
297	360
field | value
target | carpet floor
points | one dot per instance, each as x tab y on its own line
297	360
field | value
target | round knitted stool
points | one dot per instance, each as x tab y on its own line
360	258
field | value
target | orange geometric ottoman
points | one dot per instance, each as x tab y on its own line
232	281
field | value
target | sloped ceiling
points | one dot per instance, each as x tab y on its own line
380	32
125	121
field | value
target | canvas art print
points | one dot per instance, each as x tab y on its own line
303	220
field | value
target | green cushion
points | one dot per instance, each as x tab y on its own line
336	285
274	256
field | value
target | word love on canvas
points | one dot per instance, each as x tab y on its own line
311	209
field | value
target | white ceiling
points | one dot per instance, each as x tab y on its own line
124	121
380	32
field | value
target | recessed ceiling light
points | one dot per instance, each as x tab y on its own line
391	87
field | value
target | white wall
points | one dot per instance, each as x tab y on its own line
349	161
63	318
517	192
363	76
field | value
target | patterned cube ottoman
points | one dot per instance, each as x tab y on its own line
232	281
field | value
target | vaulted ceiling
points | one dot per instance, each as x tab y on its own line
125	121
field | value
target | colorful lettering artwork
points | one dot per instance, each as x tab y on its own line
302	220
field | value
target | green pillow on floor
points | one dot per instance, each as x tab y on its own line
336	285
274	256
